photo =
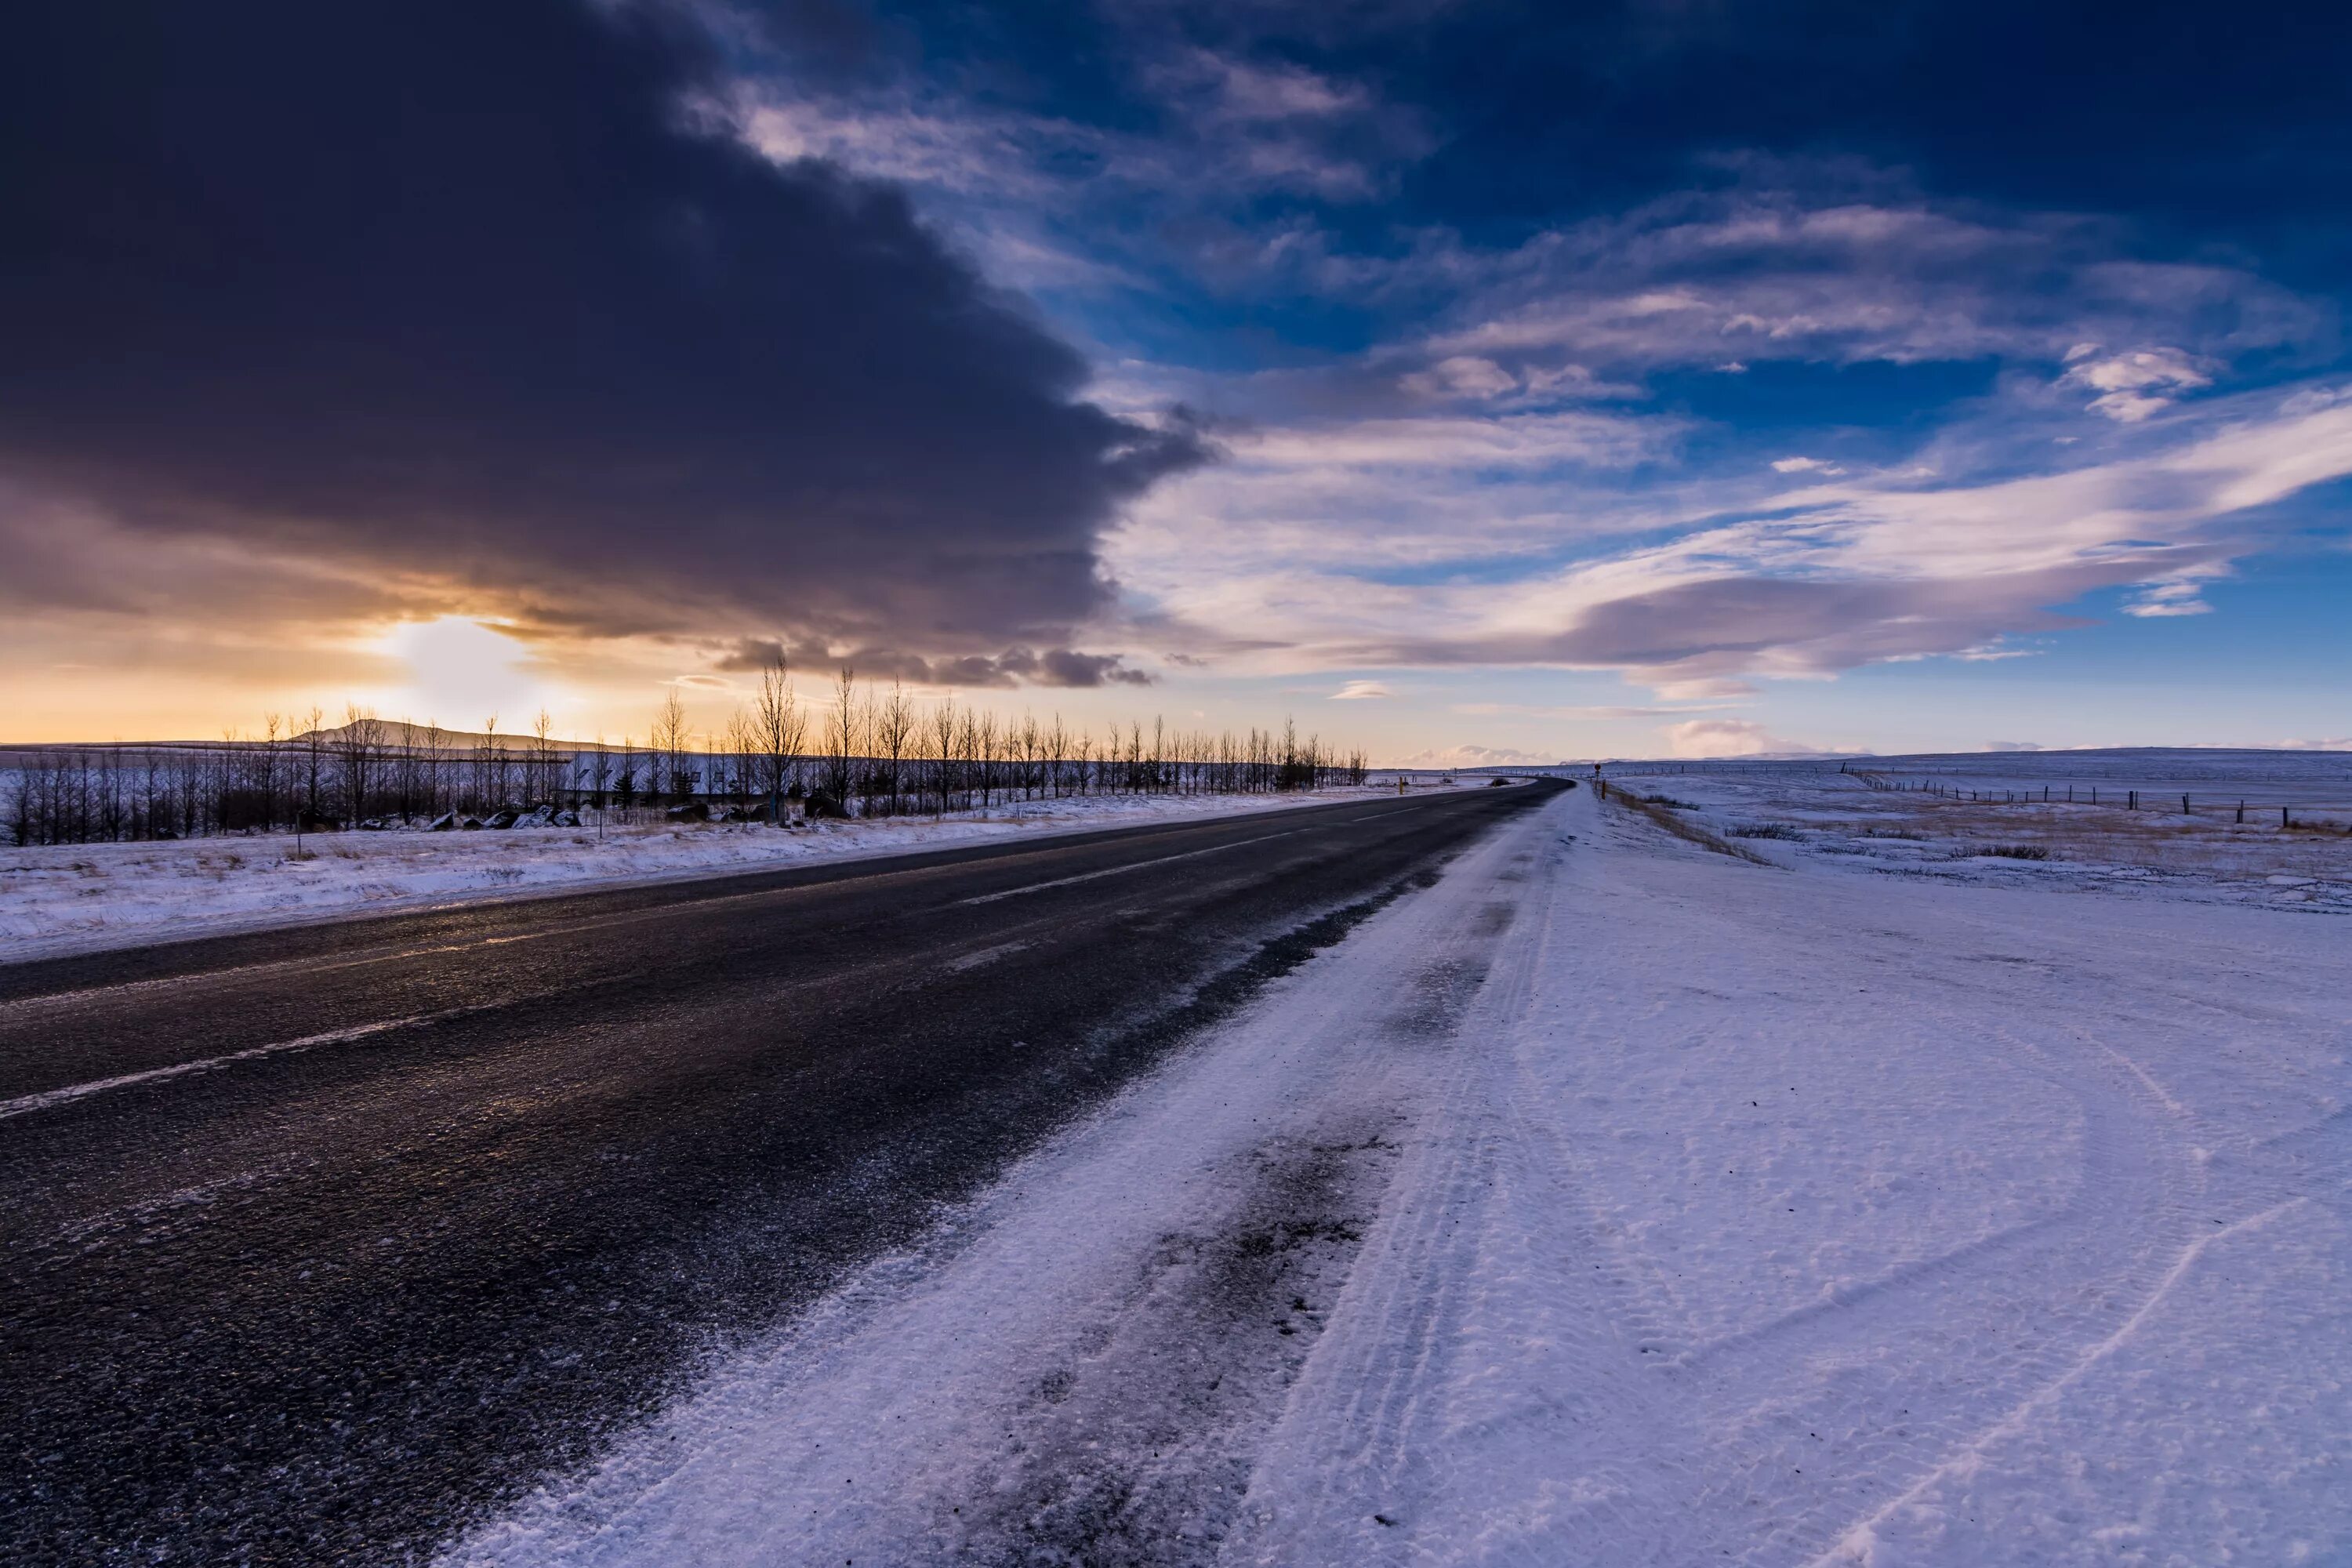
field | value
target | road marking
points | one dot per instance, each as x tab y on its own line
1121	870
26	1104
1012	848
985	955
45	1099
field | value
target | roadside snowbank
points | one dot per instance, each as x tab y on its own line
1615	1201
74	898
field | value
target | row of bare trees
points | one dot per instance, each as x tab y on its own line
295	772
865	750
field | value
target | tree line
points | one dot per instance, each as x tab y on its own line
864	751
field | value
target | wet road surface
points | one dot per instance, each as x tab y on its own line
315	1244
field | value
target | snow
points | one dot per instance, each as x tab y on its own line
1619	1201
62	898
2206	854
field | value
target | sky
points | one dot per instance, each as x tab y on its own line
1465	382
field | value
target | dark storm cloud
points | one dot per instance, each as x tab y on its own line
1014	667
1062	667
470	291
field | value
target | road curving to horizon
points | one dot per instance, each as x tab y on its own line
320	1243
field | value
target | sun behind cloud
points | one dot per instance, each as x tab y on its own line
461	671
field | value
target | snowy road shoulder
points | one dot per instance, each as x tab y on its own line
1619	1200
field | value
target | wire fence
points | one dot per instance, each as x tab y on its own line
2239	809
2248	790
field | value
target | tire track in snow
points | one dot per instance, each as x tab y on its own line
2097	1259
1857	1542
1672	1457
1344	1474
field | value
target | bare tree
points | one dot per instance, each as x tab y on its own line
266	773
894	727
863	778
943	741
967	752
670	742
489	768
779	730
985	753
359	747
841	737
314	757
1030	748
438	796
743	745
540	786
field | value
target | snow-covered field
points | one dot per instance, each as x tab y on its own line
72	898
1877	818
1621	1201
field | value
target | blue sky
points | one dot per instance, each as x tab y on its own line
1519	381
1921	376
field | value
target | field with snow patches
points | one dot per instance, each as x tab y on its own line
61	898
1878	819
1623	1200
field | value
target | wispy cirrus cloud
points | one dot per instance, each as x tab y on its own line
1759	274
1581	710
1836	574
2134	385
1481	492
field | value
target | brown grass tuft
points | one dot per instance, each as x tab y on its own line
1690	832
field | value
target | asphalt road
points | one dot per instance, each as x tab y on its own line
316	1243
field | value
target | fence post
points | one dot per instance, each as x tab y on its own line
2283	818
2184	806
2242	813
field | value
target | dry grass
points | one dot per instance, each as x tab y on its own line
1657	811
2214	843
